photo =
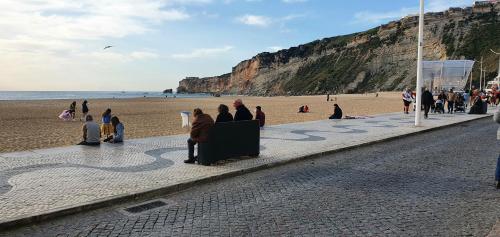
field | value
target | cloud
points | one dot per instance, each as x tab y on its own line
255	20
203	53
56	38
264	21
273	49
142	55
381	17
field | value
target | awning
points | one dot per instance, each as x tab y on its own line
448	74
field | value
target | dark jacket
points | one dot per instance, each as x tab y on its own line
85	108
337	114
261	117
242	113
200	127
225	117
427	98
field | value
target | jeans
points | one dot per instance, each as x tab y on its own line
497	172
191	144
426	110
450	107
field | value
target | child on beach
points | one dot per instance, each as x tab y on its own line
85	109
65	115
72	109
106	124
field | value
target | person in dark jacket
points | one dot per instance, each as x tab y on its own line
224	115
85	109
337	112
199	132
259	115
477	106
427	101
242	112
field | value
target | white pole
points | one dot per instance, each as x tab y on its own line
481	76
418	109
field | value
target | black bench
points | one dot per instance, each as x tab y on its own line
230	140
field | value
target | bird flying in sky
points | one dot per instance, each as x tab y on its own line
107	47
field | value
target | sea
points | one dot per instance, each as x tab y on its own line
79	95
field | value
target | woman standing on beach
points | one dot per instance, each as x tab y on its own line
85	109
106	124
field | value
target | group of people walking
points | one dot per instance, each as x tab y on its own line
203	122
454	101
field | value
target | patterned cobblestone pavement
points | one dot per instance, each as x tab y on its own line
41	181
439	183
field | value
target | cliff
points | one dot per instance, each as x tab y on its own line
383	58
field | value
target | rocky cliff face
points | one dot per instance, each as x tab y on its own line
383	58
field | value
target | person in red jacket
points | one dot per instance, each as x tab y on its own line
259	115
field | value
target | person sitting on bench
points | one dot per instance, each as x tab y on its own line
337	113
242	112
199	132
224	115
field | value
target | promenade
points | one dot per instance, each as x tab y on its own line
39	182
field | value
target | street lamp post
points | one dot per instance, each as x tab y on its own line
418	107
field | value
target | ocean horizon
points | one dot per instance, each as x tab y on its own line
80	95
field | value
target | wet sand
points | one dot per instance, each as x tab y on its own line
26	125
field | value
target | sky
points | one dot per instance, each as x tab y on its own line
58	44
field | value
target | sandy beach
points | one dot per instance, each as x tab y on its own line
29	125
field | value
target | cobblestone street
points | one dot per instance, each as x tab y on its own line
439	183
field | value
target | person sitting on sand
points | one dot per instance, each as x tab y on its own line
259	115
242	112
72	109
118	131
306	109
106	124
65	115
91	132
337	112
224	115
199	132
301	109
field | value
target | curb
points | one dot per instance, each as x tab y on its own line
153	193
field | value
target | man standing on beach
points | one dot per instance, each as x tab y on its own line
199	132
242	112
